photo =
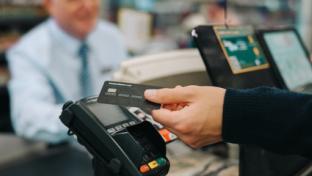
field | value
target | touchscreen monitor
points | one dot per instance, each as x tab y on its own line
289	57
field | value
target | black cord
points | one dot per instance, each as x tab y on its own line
226	13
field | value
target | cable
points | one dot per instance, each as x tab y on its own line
226	14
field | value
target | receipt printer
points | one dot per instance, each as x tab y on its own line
120	143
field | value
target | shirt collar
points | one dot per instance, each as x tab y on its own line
66	40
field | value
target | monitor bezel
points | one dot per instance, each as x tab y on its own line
200	38
261	38
226	54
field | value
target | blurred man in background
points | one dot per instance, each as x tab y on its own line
67	57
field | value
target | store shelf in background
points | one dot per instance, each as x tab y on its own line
20	24
20	2
13	11
136	27
16	18
7	39
20	17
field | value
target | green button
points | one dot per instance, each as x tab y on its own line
161	161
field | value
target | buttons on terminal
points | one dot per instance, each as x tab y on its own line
144	169
120	127
111	130
153	164
160	162
125	125
132	123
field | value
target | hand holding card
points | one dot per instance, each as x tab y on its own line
131	96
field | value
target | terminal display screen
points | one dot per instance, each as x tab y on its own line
290	58
108	114
241	48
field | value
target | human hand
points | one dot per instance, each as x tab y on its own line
193	113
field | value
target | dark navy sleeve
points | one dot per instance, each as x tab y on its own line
274	119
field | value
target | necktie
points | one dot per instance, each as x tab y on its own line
85	79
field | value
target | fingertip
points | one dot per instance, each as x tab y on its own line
149	93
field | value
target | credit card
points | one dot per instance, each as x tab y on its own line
127	94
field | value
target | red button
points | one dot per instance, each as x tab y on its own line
144	169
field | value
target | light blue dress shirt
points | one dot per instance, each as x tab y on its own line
45	68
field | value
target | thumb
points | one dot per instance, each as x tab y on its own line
167	96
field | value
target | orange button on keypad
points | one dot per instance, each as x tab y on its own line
144	169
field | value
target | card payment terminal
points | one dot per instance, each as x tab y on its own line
120	143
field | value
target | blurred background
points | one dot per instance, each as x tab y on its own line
149	26
160	27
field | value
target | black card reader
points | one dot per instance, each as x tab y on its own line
121	145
